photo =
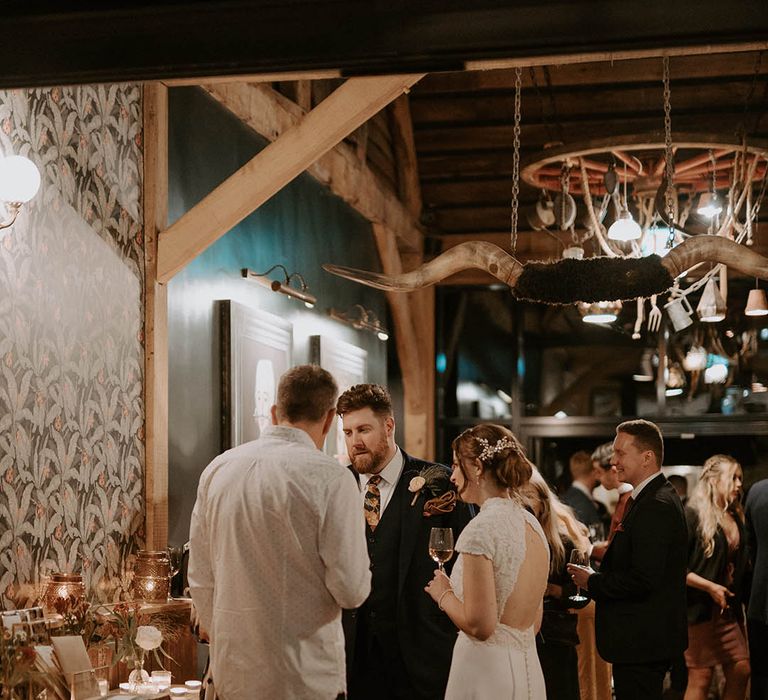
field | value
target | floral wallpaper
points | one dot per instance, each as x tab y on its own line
71	354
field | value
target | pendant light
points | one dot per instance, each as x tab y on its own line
756	302
711	308
625	228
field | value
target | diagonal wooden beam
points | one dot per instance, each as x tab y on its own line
270	114
243	192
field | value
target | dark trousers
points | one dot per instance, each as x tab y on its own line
378	671
639	681
560	666
757	632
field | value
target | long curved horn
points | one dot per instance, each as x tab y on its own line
568	281
715	249
465	256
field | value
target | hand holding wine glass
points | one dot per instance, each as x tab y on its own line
579	558
441	545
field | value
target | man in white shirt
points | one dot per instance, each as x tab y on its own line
277	549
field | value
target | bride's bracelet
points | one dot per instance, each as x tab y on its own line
440	599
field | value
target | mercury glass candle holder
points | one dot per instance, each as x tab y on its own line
152	576
61	587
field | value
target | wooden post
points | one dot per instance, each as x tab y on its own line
155	317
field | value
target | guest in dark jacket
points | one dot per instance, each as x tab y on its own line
557	638
579	494
756	512
716	564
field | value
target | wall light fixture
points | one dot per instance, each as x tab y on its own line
283	286
361	318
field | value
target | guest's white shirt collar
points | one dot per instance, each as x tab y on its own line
636	491
390	473
389	478
581	487
624	488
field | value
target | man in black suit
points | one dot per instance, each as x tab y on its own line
399	644
641	621
579	494
757	613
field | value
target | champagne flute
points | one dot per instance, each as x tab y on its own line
441	545
579	558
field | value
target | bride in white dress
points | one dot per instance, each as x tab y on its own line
496	589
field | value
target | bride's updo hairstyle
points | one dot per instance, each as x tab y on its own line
498	450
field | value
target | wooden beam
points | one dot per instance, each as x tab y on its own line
270	114
305	75
155	318
243	192
405	155
304	95
413	319
611	56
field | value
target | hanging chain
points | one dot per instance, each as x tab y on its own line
516	161
565	185
669	166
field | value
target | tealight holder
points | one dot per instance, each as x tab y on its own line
152	576
61	587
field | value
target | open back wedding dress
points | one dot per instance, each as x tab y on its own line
504	666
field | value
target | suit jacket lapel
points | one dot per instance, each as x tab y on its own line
410	519
651	487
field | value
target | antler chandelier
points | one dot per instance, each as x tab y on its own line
664	179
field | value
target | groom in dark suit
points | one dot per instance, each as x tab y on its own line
399	644
641	623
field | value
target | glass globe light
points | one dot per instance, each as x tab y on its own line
625	228
19	179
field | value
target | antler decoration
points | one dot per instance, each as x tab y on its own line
569	281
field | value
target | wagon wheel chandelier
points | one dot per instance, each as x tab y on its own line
663	191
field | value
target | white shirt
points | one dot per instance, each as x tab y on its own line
277	549
636	491
389	478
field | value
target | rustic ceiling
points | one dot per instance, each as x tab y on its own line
463	130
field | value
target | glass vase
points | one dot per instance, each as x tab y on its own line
138	679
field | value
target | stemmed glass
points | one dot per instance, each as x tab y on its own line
441	545
596	532
579	558
174	557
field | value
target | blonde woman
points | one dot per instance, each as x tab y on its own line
558	637
495	592
716	564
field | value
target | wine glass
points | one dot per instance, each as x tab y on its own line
579	558
174	557
441	545
596	532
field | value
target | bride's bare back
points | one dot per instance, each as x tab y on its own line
521	610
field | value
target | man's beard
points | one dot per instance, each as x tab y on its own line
371	462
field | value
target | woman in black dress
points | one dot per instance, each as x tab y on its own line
557	639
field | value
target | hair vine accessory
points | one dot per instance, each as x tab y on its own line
490	450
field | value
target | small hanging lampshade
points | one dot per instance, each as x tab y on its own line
756	303
61	588
600	312
625	228
709	204
711	308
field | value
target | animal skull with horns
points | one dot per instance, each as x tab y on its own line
569	281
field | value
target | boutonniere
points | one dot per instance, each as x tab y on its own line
433	480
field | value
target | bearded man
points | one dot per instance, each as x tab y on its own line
399	644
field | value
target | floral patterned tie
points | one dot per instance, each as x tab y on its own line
372	502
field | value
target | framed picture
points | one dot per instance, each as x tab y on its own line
255	351
349	366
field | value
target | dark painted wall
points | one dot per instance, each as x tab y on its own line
300	227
